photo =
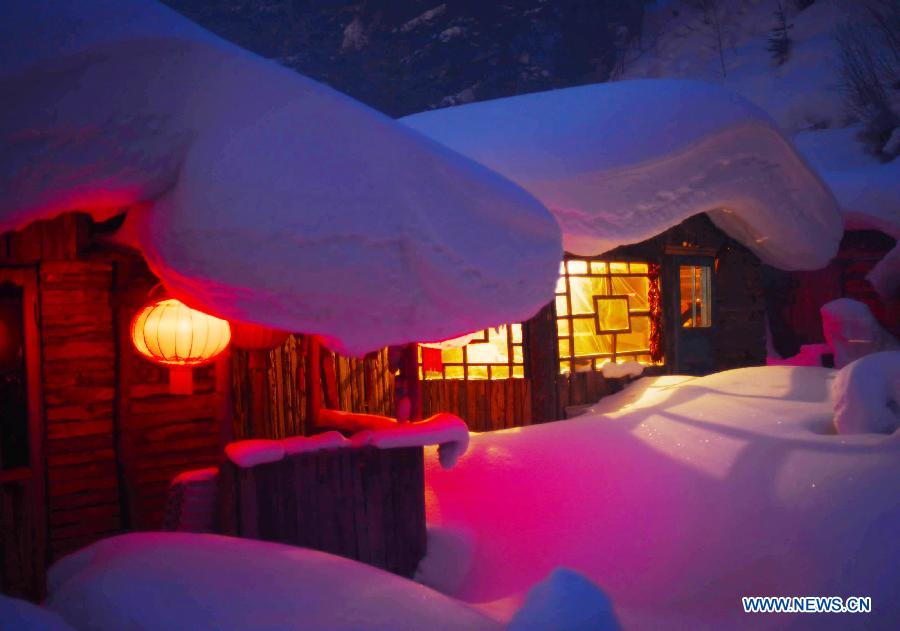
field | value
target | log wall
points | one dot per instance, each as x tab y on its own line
350	384
484	405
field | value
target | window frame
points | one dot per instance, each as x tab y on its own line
567	362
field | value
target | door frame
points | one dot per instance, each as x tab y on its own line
674	331
35	475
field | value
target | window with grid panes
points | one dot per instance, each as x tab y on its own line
602	313
495	353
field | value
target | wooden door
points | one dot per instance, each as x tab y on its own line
691	318
23	525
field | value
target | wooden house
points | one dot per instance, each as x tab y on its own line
92	433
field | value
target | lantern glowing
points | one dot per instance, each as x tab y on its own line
171	333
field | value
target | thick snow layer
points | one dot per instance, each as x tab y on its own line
20	615
851	331
257	451
166	581
680	494
305	444
255	193
866	395
802	96
618	163
447	431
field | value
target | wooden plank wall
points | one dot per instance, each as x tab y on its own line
365	385
484	405
159	435
79	364
114	436
21	569
366	504
740	309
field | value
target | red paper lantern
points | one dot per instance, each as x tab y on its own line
170	333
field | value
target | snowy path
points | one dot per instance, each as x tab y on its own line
677	496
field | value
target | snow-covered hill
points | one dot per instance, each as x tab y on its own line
804	95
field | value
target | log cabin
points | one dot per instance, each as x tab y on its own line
93	433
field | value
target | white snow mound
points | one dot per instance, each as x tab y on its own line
565	601
866	395
618	163
255	193
164	581
852	331
21	615
679	495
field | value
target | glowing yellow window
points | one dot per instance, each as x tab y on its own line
694	286
604	313
494	353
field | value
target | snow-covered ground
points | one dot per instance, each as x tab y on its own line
802	95
677	496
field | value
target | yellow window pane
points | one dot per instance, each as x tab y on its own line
561	285
478	372
637	288
565	350
583	291
639	268
562	306
599	267
639	337
562	267
518	372
694	299
516	330
612	314
562	326
618	268
517	355
454	372
565	367
452	355
587	342
577	267
493	352
499	372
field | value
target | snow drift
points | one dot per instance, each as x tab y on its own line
255	193
851	331
866	395
678	495
164	581
618	163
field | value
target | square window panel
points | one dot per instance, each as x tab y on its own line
637	288
587	341
612	314
638	339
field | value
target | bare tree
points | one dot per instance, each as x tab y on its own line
714	17
870	72
779	40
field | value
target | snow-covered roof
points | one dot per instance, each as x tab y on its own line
255	193
618	163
